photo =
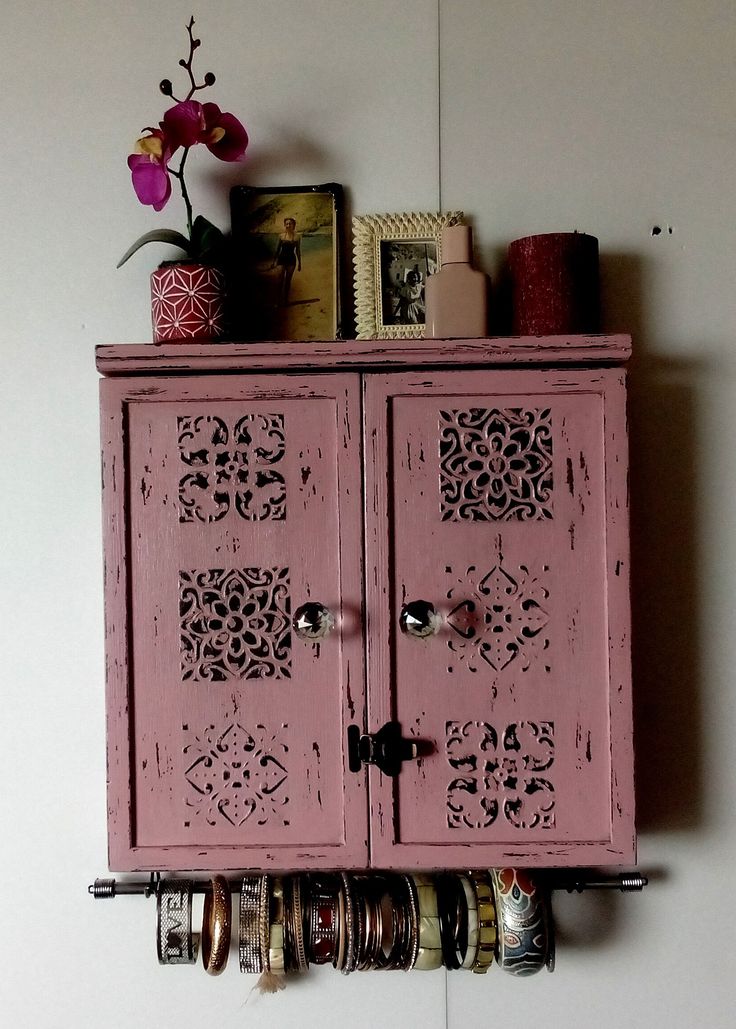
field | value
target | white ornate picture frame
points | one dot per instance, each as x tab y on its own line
394	254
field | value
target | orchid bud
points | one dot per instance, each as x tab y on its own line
166	88
209	79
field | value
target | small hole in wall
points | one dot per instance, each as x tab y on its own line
657	230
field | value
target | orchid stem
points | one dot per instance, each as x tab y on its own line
182	184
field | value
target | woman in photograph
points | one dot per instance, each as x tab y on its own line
288	257
410	308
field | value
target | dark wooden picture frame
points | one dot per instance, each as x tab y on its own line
285	275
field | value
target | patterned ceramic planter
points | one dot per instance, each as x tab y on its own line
187	302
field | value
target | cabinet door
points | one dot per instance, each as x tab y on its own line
230	501
500	498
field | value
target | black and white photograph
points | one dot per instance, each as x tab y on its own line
394	256
404	271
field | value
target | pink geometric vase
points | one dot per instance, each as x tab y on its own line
187	302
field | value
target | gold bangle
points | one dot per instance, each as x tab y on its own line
486	922
216	926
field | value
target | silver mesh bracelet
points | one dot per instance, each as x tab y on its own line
249	929
174	940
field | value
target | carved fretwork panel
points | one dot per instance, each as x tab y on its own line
495	464
498	773
232	466
235	775
499	616
235	624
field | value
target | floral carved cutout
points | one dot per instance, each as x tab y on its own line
495	464
232	466
234	775
497	773
498	616
235	624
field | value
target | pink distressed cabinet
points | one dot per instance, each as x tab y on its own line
456	514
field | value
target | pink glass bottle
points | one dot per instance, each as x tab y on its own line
457	295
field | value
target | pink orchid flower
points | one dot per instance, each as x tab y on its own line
149	169
189	123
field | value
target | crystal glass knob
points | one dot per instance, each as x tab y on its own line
313	621
418	618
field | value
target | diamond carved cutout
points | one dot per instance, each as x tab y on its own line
499	616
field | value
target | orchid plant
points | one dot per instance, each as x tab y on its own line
188	123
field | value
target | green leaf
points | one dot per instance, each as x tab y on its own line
207	241
158	236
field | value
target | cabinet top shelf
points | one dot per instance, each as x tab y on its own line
191	357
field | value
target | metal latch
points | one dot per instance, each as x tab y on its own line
386	749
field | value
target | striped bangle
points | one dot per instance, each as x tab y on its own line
486	922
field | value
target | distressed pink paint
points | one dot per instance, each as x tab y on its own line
526	727
496	491
229	501
132	358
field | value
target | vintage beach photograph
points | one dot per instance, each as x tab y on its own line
287	258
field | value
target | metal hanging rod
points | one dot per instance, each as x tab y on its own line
627	882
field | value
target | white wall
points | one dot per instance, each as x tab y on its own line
555	114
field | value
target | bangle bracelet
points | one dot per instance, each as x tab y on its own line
471	908
393	913
350	961
487	935
523	922
249	942
453	916
297	921
429	954
216	926
323	919
264	921
276	929
175	943
413	909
